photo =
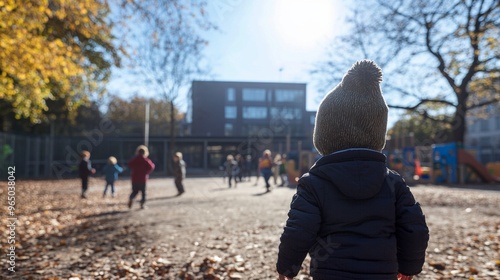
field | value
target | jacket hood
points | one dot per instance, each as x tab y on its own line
357	173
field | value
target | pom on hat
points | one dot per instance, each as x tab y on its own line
363	75
354	113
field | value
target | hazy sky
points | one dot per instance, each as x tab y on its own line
257	38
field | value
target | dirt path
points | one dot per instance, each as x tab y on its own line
212	232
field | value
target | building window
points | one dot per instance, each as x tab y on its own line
485	141
289	95
254	94
472	127
252	129
473	142
253	112
484	125
231	95
228	129
312	119
230	112
286	113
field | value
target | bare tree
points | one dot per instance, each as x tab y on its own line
165	42
437	56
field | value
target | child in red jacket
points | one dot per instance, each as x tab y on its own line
140	167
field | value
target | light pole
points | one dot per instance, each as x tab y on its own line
146	125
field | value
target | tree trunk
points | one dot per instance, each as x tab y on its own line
458	123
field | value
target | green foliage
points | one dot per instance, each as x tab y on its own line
129	115
52	51
425	131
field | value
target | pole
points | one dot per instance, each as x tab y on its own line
146	125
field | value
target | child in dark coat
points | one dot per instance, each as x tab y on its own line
356	218
232	170
111	171
140	167
179	172
85	170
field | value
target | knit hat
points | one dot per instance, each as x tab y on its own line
354	113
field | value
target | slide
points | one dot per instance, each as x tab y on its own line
466	158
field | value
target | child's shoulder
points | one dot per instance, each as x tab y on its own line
396	182
394	177
312	182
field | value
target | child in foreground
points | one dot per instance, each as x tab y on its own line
356	218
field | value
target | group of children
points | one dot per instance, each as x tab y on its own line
235	168
140	167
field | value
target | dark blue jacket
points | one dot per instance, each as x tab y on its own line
356	219
85	168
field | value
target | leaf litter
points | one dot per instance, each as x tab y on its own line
60	236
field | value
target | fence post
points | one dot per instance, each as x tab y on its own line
205	154
165	169
13	145
48	156
28	153
37	157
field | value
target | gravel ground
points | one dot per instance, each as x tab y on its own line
213	232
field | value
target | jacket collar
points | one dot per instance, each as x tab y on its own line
354	154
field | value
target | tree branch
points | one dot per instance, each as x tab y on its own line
403	91
425	115
484	103
474	44
422	102
439	57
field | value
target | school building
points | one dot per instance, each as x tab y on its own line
240	109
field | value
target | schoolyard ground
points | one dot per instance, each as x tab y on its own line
213	232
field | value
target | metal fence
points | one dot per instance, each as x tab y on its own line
58	157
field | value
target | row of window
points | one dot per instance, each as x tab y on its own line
484	125
258	94
485	141
263	129
261	112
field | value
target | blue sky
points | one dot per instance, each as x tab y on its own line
257	38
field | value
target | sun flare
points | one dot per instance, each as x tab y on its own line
304	23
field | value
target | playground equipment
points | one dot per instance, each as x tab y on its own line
494	169
465	158
453	164
442	163
413	163
445	164
297	164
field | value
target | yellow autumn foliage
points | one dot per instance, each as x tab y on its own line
34	55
